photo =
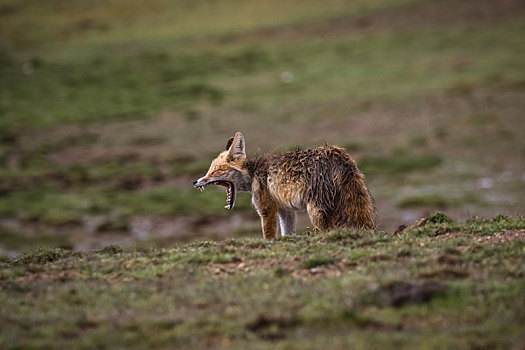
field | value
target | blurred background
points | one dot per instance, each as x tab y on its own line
110	109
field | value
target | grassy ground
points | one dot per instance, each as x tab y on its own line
440	285
109	110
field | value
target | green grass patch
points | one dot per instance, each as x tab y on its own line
434	201
14	240
111	249
316	261
43	255
399	164
475	226
124	88
439	201
439	218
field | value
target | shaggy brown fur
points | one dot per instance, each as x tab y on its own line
325	181
335	191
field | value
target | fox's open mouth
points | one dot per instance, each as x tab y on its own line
230	191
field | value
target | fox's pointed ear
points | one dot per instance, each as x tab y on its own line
229	143
237	147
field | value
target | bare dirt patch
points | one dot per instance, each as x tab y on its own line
332	270
402	293
447	272
502	237
280	268
252	266
271	327
123	141
47	276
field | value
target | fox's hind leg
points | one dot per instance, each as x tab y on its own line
287	221
319	217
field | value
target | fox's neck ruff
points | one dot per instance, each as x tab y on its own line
256	167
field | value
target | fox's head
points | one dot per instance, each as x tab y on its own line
228	170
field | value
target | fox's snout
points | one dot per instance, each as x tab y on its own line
200	183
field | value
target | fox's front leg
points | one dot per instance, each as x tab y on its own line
287	221
269	222
267	210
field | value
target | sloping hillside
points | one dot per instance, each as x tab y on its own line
438	285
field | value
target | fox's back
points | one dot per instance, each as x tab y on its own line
319	174
311	165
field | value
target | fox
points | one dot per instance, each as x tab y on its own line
324	181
